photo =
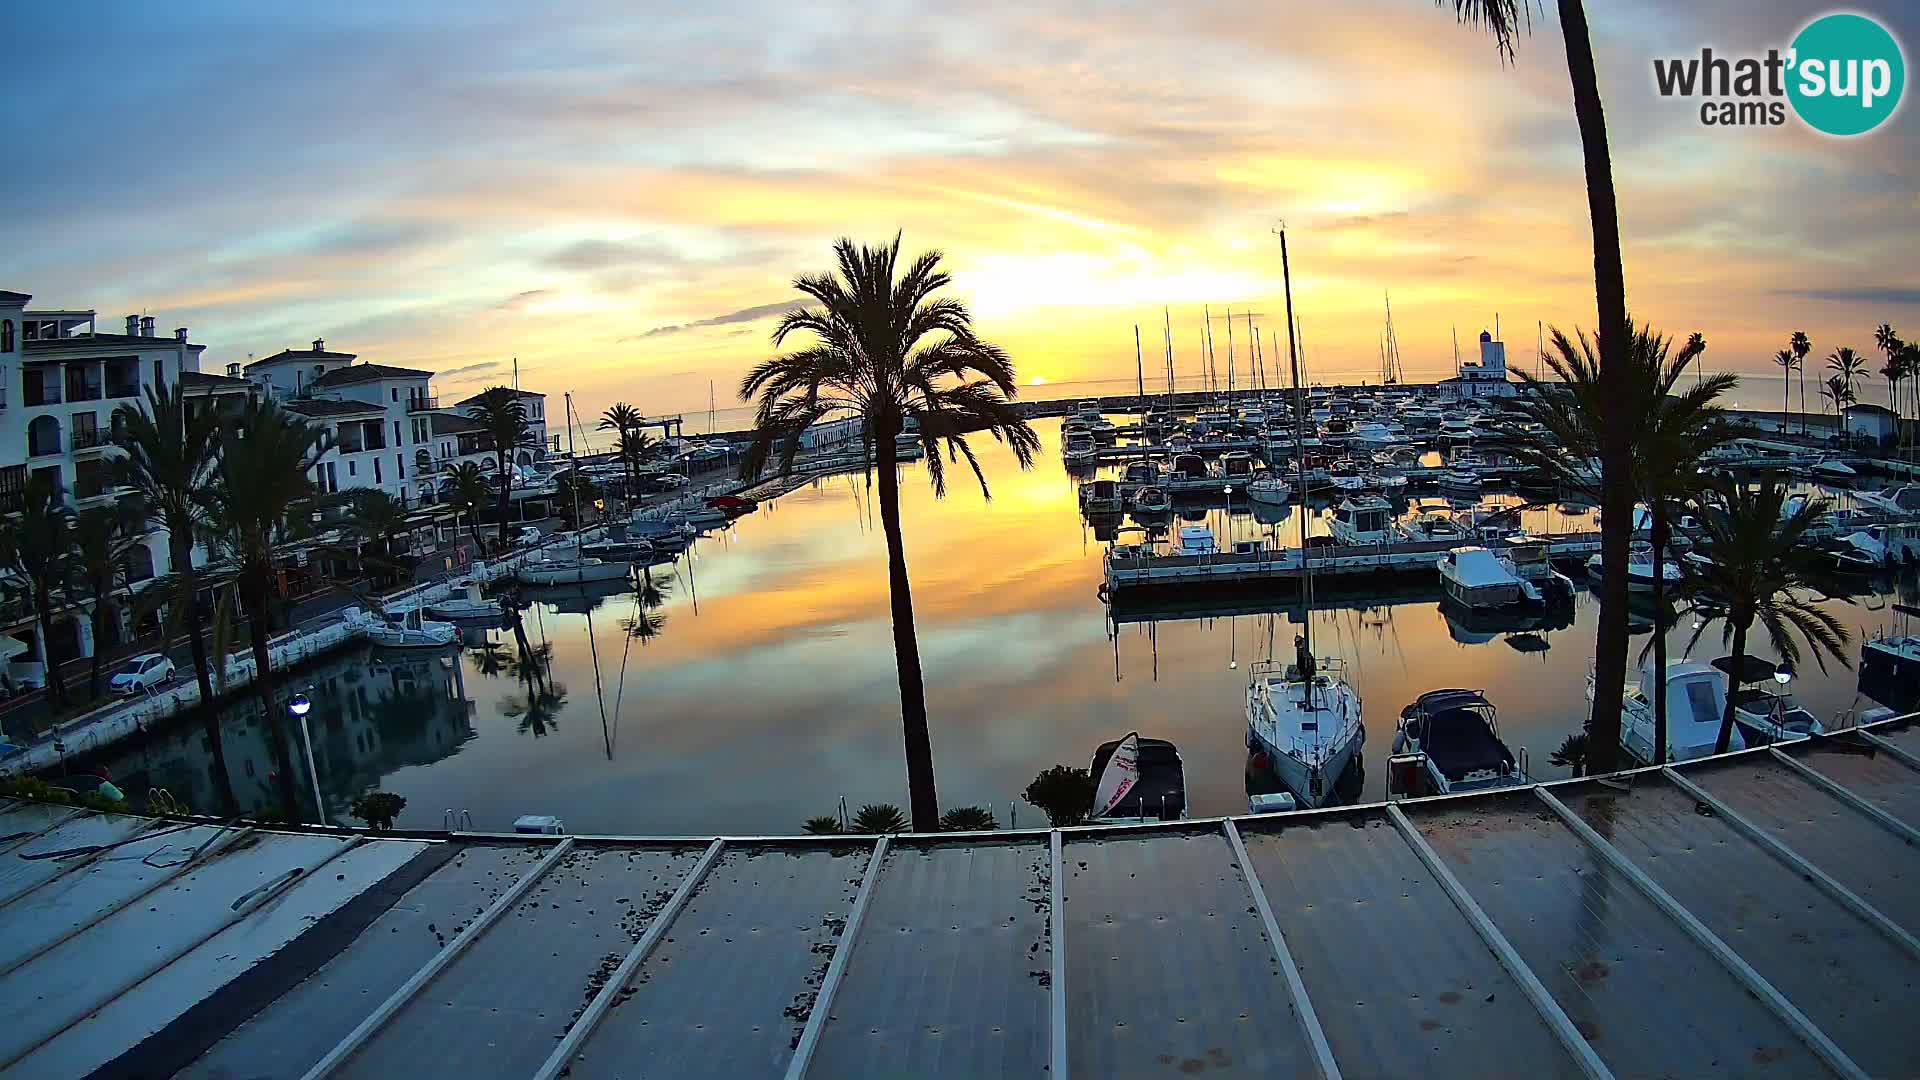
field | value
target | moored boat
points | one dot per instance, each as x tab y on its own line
1138	780
570	571
1477	578
468	602
1448	742
1303	724
1269	489
400	630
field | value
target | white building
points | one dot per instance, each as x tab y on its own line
61	380
1484	379
380	418
534	405
1871	424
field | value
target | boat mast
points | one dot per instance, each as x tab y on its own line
573	463
1140	373
1213	369
1300	456
1253	342
1166	333
1229	357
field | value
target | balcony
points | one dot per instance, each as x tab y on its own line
123	389
92	439
41	394
422	404
83	391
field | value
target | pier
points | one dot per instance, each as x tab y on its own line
1131	569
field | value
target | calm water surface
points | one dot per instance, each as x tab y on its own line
761	688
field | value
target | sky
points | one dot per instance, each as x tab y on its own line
620	194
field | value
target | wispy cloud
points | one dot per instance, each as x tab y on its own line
1862	294
470	369
752	314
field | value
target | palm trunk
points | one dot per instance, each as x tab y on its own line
1786	399
253	596
906	646
180	543
97	622
1616	447
1660	532
1739	664
506	490
43	613
1803	398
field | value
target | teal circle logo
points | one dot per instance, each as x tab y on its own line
1848	74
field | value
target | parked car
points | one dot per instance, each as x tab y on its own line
665	482
528	536
732	504
142	674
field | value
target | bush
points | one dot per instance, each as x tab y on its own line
824	825
378	808
879	818
968	819
1063	793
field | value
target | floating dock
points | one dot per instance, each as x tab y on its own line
1131	569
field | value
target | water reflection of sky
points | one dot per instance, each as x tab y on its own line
771	689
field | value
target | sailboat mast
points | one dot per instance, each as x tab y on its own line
1299	453
573	463
1213	369
1229	356
1166	333
1253	342
1139	370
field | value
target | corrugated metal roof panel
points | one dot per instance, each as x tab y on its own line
729	988
60	986
498	1009
26	866
1868	773
1168	965
1840	970
948	975
1381	947
149	1007
1859	853
295	1031
1647	997
19	819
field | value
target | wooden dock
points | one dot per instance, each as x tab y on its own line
1131	569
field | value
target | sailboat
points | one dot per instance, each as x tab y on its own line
1139	780
1303	717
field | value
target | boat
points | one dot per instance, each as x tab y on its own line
1448	742
1269	489
1190	467
570	571
400	630
1101	497
1477	578
1390	481
1078	447
1088	410
663	533
1696	701
1364	519
1346	476
1195	540
1640	568
1139	780
1103	428
1763	710
1179	443
1532	560
628	550
1462	474
1303	724
1456	432
1236	465
1431	526
1833	468
1152	500
1143	474
701	516
1890	663
468	602
1902	501
1373	435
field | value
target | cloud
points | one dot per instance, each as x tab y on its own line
1862	294
752	314
519	301
470	369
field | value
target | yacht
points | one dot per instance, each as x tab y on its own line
1374	435
1103	428
1303	728
1346	476
1088	410
1833	469
1237	465
620	549
1477	578
467	602
1388	481
1143	474
1890	663
570	571
1456	432
1152	500
1101	497
1364	519
1195	540
1640	568
1435	527
1179	443
1763	711
400	630
1078	447
1269	489
1190	467
1696	700
1533	560
1138	780
1902	501
1448	742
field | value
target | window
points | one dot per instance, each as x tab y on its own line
159	379
376	470
396	395
6	335
400	466
350	469
396	433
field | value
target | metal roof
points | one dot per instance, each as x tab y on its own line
1755	913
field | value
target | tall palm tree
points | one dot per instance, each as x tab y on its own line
1505	19
889	351
1671	431
169	461
575	489
1787	362
265	454
1909	357
1840	395
1887	340
102	539
1802	347
499	411
375	520
466	487
1849	367
634	449
622	419
36	552
1761	570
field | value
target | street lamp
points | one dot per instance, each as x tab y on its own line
298	706
1783	674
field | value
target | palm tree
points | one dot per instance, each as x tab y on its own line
1571	754
1887	340
36	550
1787	362
878	818
375	519
1840	395
1669	433
499	411
622	419
1802	347
1849	367
264	458
634	449
891	353
575	489
1910	370
1504	19
466	487
1760	569
102	538
169	461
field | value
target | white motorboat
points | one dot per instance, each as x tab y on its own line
1365	519
1902	501
1640	568
1448	742
1303	728
400	630
1477	578
1533	561
1390	481
1269	489
570	571
1195	540
1833	468
1696	701
1101	497
1137	780
1431	526
1078	448
1763	710
1179	443
1152	500
1890	663
1374	435
467	602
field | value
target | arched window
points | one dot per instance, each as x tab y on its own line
525	458
43	436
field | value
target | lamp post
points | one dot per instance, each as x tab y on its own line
298	706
